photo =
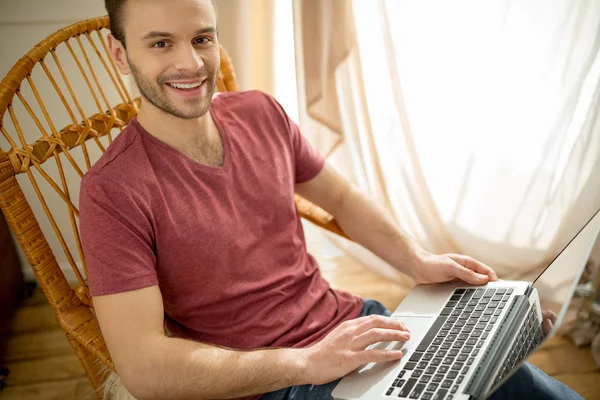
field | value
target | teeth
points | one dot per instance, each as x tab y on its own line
185	85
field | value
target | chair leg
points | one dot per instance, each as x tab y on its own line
94	369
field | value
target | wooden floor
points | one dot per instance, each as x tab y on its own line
43	366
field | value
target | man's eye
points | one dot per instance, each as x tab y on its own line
160	44
201	40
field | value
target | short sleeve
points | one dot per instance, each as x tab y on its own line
117	238
307	160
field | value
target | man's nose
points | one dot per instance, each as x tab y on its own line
188	59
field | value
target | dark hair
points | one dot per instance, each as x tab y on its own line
114	8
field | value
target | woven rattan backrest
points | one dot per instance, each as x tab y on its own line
61	106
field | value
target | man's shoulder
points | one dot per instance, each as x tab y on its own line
254	100
121	161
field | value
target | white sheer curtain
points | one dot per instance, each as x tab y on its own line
475	124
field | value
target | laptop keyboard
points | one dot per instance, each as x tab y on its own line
529	337
439	364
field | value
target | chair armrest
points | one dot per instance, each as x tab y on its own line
318	216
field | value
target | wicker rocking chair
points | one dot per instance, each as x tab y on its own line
44	154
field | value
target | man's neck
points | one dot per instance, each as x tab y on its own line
176	132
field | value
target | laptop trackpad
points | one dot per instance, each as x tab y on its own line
374	376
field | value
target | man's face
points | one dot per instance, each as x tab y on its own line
172	53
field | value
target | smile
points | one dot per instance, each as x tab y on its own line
187	86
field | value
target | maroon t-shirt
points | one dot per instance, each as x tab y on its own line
224	244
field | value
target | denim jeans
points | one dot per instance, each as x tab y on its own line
528	382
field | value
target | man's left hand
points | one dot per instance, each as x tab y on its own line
433	268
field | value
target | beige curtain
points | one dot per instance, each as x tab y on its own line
479	135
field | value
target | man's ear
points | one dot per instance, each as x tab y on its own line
118	54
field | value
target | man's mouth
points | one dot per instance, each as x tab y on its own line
185	86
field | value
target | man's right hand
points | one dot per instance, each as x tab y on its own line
343	349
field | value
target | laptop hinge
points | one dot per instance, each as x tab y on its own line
484	374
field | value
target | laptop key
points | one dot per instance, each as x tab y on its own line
407	388
448	361
432	387
485	300
460	323
446	346
468	294
462	357
430	370
489	293
493	320
478	293
465	370
460	305
455	297
473	303
454	389
433	349
452	374
427	396
437	341
459	291
480	307
500	291
390	391
469	361
446	311
467	349
451	319
440	394
488	311
458	344
427	357
509	291
418	390
422	365
489	327
401	374
497	297
455	313
400	383
447	327
460	379
457	366
493	304
479	344
416	356
447	384
471	342
497	312
453	303
454	331
437	378
485	335
436	361
410	366
468	329
463	336
469	309
425	379
443	369
441	353
475	352
416	374
453	352
476	333
395	382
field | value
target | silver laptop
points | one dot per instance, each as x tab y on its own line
466	341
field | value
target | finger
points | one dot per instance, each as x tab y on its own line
468	275
378	321
378	355
475	265
547	325
549	314
379	335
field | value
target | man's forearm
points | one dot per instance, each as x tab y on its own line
370	226
181	369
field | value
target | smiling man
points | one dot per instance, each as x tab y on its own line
188	222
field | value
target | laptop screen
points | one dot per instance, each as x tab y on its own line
557	283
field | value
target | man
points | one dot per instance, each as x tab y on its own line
188	221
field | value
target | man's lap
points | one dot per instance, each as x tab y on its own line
528	382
